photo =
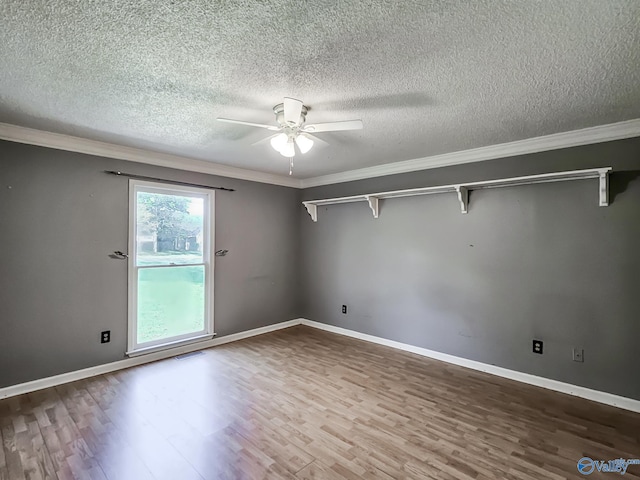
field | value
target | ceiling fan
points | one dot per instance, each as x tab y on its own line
293	132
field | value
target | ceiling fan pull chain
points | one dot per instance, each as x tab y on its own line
290	165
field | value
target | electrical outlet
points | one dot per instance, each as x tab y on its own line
537	346
344	309
578	354
105	337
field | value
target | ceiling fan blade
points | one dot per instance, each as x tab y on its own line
292	110
251	124
264	141
318	140
334	126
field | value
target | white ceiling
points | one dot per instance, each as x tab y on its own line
426	78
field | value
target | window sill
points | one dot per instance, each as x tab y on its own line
170	345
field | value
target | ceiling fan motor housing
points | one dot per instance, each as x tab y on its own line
279	111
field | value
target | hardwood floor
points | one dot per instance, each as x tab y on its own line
302	404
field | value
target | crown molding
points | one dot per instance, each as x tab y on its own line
15	133
574	138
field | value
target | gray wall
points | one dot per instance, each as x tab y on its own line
539	261
61	216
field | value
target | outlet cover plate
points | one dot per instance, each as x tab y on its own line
537	346
578	354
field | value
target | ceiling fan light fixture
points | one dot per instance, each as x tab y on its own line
288	150
279	141
304	143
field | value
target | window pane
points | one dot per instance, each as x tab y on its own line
169	229
170	302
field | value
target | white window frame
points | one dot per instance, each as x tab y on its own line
208	215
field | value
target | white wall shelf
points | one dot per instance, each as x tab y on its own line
462	190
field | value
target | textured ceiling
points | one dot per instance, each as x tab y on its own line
425	77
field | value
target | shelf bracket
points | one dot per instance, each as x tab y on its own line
312	209
373	205
604	188
463	197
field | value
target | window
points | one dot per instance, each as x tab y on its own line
170	268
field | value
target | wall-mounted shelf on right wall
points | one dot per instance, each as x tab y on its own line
462	189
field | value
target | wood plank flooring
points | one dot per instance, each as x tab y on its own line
305	404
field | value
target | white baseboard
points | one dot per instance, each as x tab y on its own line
575	390
47	382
